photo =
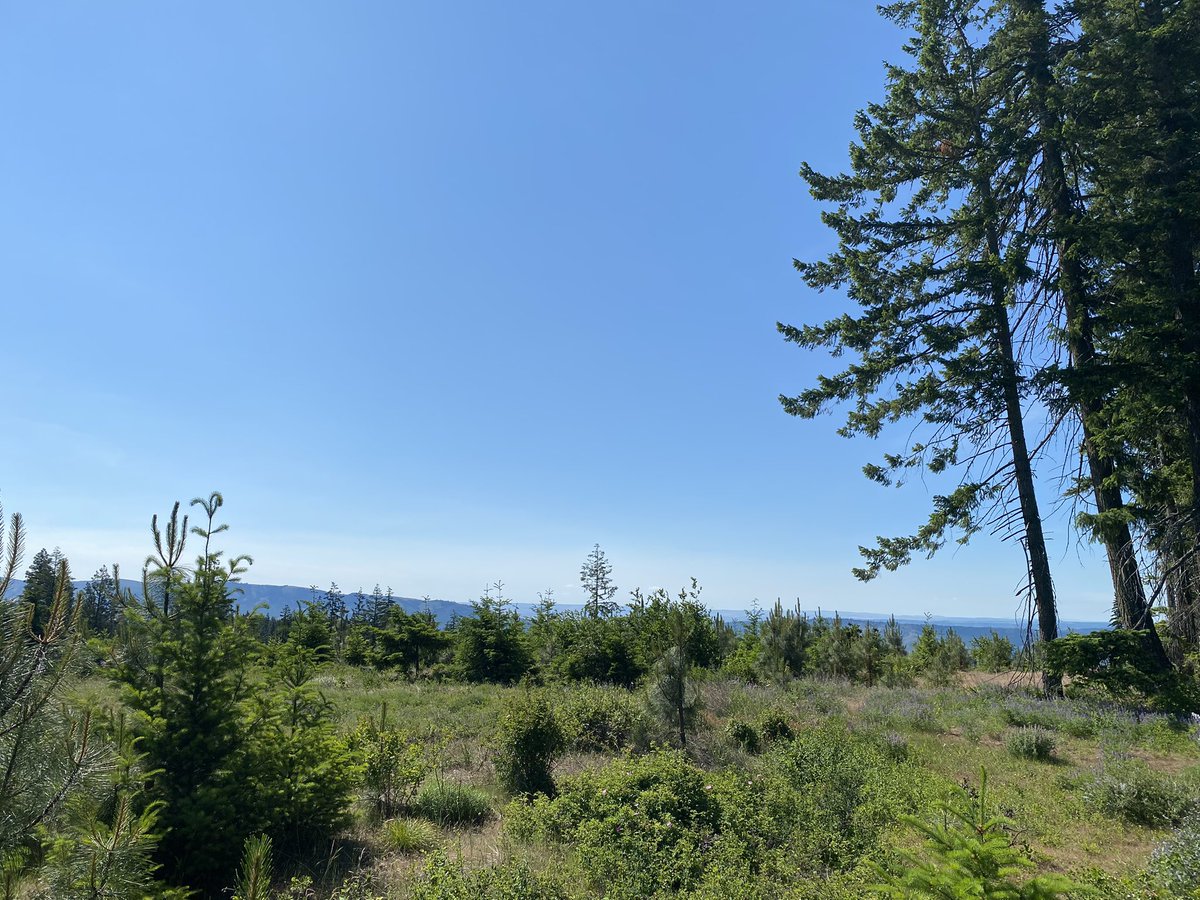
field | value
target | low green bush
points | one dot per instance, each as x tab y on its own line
1175	864
449	803
773	725
744	735
894	746
659	825
1128	789
393	762
597	719
1031	743
529	740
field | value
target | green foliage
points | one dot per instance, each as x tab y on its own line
409	835
939	658
660	622
673	695
967	854
1128	789
743	664
254	877
449	803
491	645
832	651
992	652
43	581
596	577
407	641
598	718
48	753
310	628
104	856
529	739
774	726
1175	864
442	879
645	825
99	599
743	734
184	664
602	650
659	825
1031	743
393	763
302	774
784	641
1120	663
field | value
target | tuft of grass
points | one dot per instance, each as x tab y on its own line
409	835
449	803
1031	742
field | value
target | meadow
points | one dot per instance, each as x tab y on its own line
807	788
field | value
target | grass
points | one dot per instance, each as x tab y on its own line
410	835
1117	782
451	804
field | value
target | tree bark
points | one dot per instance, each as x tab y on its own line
1129	596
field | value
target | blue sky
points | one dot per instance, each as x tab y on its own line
440	294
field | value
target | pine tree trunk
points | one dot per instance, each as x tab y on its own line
1129	596
1031	520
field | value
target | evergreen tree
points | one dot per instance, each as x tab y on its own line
42	583
185	671
491	645
784	641
596	577
47	754
674	694
930	248
302	773
100	602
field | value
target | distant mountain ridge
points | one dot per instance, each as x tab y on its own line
275	598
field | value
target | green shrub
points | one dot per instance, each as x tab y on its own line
1175	864
599	718
449	803
645	825
409	835
1031	743
773	726
529	740
894	746
743	734
393	762
1121	662
658	825
1128	789
992	652
599	650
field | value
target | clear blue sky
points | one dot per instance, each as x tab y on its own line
440	294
